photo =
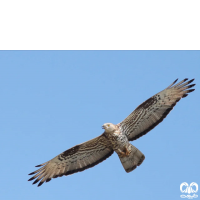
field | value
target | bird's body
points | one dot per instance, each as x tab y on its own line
124	149
116	137
119	141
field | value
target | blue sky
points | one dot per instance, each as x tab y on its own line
53	100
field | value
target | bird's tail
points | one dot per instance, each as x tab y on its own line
134	159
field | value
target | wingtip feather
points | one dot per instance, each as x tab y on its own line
39	165
30	179
191	81
185	95
48	179
188	91
40	184
175	81
189	86
35	181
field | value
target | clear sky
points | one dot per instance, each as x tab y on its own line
53	100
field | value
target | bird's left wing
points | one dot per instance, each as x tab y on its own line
150	113
75	159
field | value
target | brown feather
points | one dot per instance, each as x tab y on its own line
75	159
151	112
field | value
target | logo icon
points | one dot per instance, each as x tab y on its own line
190	189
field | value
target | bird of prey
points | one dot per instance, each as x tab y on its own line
116	137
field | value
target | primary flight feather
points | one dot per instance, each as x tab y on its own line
116	137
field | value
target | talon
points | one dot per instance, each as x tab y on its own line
124	154
127	152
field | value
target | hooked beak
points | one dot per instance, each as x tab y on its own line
103	127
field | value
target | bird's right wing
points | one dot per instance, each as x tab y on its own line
75	159
150	113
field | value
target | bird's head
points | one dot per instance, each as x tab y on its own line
109	127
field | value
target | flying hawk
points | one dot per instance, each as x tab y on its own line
116	137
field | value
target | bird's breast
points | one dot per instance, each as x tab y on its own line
117	140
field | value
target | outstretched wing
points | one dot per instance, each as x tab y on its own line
150	113
75	159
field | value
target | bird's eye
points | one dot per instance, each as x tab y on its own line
108	125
